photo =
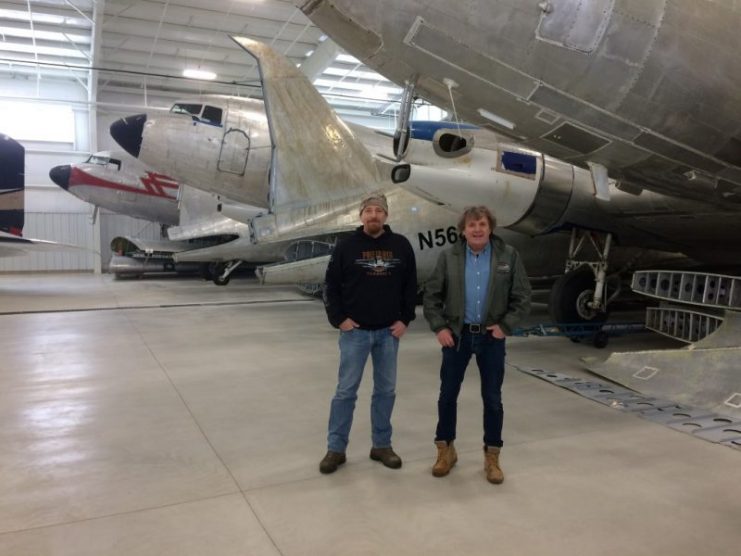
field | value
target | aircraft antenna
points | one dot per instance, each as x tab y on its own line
450	84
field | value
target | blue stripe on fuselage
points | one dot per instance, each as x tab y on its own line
425	130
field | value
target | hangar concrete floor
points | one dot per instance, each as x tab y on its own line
164	416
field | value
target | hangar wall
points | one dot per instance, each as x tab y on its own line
51	213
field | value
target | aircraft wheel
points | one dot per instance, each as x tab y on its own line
219	281
217	272
569	297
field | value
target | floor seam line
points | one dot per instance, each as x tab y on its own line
119	514
163	369
257	517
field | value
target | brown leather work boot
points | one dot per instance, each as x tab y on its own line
491	465
331	462
446	458
386	456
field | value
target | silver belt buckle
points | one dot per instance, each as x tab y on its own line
474	328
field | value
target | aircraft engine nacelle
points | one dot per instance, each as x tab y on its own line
528	192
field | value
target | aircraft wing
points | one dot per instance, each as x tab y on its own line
14	246
149	245
646	90
306	271
237	249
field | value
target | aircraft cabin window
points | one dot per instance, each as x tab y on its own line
185	108
518	163
116	163
211	115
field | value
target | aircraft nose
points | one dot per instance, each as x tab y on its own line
128	133
60	175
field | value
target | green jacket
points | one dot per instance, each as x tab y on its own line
508	296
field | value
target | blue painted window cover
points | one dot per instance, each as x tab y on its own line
425	130
519	162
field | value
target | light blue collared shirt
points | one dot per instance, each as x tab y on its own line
477	282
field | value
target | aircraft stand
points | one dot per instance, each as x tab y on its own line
702	310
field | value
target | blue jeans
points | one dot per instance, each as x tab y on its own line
355	346
489	353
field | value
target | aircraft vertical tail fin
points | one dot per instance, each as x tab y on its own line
316	157
12	184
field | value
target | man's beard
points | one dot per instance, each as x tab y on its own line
373	226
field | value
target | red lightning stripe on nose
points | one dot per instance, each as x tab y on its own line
157	183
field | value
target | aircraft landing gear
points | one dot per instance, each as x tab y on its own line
403	132
223	271
571	296
580	295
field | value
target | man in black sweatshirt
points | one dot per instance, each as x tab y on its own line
370	293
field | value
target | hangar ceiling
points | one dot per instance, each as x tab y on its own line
144	46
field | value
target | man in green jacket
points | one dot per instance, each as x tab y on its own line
477	293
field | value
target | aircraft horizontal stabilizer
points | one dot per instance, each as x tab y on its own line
316	156
305	271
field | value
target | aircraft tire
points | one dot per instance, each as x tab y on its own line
219	281
567	293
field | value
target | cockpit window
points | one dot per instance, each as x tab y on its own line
101	160
185	108
211	115
97	159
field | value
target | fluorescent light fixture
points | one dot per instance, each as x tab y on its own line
496	119
199	74
22	15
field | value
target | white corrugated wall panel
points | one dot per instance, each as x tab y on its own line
68	228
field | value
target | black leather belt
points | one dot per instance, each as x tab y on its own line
475	328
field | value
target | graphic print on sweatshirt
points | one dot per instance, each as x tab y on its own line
378	262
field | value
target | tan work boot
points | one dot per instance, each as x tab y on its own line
491	465
446	458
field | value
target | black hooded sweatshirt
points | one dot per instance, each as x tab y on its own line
371	280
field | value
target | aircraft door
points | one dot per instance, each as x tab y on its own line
235	145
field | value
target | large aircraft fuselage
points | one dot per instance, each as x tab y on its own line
650	89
